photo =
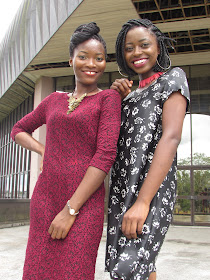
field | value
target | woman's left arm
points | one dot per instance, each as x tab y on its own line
63	221
107	136
174	110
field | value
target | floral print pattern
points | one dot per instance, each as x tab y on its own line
141	130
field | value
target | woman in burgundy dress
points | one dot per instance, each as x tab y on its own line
67	206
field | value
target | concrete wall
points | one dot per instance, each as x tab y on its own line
14	211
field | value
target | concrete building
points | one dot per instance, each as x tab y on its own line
34	62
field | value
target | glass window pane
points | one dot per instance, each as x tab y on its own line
183	182
201	182
65	83
202	211
200	139
184	148
202	189
12	157
182	211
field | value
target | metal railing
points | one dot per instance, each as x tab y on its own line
14	160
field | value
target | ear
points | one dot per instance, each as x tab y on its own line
70	61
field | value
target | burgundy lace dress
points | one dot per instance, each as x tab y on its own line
86	137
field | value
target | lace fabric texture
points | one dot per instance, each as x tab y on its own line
87	136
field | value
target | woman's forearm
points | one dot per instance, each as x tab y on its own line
27	141
172	122
161	163
92	180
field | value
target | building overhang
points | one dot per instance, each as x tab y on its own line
38	40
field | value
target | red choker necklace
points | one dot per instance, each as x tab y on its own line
146	81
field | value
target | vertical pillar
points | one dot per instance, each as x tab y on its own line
44	86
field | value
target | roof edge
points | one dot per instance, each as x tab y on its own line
32	27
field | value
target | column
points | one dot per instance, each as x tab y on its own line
44	86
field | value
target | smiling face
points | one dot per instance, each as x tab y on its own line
88	62
141	51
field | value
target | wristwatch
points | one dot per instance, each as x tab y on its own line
72	212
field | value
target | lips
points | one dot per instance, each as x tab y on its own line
139	61
90	73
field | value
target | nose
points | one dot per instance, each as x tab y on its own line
137	50
91	62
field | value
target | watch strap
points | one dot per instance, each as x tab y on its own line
72	211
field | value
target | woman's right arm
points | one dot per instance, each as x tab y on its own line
25	140
123	86
22	130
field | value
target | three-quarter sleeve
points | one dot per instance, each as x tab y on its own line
33	120
108	131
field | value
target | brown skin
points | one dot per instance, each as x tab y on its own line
89	63
123	86
62	223
25	140
141	46
141	51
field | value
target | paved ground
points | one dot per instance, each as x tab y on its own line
184	255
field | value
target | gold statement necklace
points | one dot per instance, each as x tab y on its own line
74	102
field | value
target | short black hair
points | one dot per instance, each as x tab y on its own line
162	40
83	33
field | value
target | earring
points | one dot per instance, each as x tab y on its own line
121	73
165	69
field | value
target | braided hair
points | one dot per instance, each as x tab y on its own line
83	33
162	40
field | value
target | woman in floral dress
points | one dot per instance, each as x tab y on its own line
143	179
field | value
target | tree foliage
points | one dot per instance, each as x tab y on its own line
201	179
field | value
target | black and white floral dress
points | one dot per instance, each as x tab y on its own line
141	130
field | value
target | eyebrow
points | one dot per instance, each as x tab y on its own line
141	40
87	52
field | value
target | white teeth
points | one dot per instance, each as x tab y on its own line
90	73
139	61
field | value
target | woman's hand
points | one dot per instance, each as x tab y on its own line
61	224
134	219
123	86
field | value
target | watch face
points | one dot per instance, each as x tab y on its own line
72	211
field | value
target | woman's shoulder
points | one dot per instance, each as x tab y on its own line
176	72
175	80
109	93
56	95
174	76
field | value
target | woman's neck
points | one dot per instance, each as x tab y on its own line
90	89
149	80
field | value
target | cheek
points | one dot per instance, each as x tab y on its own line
126	57
103	66
155	53
76	65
